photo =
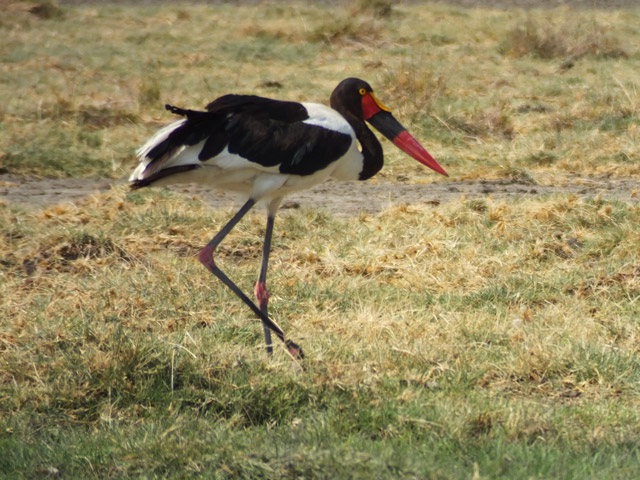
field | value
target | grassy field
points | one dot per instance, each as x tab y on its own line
481	338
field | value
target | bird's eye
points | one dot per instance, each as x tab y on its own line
362	91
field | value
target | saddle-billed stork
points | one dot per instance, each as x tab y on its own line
266	149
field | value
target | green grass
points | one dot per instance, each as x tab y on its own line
480	338
485	336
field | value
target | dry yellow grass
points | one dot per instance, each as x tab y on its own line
481	320
491	268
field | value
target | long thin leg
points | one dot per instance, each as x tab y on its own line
260	290
206	258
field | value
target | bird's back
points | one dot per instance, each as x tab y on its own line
244	132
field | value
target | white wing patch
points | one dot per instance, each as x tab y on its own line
328	118
233	161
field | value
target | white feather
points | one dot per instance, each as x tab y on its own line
328	118
157	138
160	136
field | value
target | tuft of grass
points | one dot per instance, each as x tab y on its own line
378	8
574	38
349	30
414	89
47	9
486	123
149	94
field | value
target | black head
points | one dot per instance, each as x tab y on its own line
347	96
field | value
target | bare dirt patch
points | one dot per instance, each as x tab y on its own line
341	198
596	4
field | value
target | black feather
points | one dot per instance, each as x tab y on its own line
267	132
145	182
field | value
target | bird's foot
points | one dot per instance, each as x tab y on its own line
294	350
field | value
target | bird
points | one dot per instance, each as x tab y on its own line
265	149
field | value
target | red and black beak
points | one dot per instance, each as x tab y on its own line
382	120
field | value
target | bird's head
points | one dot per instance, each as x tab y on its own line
356	97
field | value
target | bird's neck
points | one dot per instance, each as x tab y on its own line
371	148
372	157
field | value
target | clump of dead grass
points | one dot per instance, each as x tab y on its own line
492	122
347	30
574	38
99	115
149	91
46	9
43	9
363	25
413	88
377	8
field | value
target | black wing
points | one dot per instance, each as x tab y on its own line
264	131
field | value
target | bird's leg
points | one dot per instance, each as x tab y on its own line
260	290
206	254
206	258
262	295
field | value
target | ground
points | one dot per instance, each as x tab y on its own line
342	198
464	3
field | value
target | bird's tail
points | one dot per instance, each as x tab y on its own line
176	147
160	156
183	112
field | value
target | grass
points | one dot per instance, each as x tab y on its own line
480	338
497	336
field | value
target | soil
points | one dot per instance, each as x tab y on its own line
599	4
341	198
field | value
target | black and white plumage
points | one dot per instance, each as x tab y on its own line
266	149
